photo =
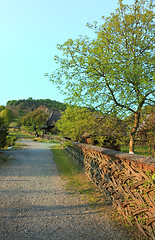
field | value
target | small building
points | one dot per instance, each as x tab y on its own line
50	123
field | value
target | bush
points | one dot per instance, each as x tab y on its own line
3	134
10	141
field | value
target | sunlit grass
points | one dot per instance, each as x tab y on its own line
141	150
44	140
66	166
77	182
20	135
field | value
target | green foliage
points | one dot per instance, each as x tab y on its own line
34	120
10	140
7	115
3	133
66	165
75	122
80	123
112	131
140	150
146	110
153	177
16	123
23	106
147	132
67	144
2	108
116	69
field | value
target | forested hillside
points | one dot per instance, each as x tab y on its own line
24	106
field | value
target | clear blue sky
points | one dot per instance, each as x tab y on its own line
29	33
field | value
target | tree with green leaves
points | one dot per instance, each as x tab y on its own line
7	116
76	121
2	108
82	124
112	131
115	70
34	120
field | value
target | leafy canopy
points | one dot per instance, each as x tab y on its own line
35	119
7	116
116	69
75	122
80	123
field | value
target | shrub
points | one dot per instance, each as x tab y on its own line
3	134
10	141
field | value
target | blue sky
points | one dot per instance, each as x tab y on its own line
29	33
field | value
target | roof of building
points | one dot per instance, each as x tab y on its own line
148	123
53	118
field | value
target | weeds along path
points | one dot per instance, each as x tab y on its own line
34	203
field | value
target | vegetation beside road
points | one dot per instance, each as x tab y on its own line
114	70
77	182
140	150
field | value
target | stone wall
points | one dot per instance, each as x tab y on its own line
127	179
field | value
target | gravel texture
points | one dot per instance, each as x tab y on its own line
34	203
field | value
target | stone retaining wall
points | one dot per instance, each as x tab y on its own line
127	179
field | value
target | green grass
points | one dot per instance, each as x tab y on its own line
77	182
66	166
20	135
141	150
44	140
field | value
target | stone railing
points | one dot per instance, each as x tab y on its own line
127	179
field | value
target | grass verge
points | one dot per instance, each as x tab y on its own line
19	145
44	140
141	150
19	135
77	182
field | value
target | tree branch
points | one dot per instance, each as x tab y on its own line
115	100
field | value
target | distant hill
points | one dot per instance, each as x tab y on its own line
24	106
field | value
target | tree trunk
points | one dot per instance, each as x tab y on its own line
133	132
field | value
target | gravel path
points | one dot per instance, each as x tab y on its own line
34	203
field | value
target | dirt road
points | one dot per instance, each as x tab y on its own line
34	203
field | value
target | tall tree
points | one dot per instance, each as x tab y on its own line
114	71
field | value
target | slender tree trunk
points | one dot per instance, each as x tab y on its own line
133	132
